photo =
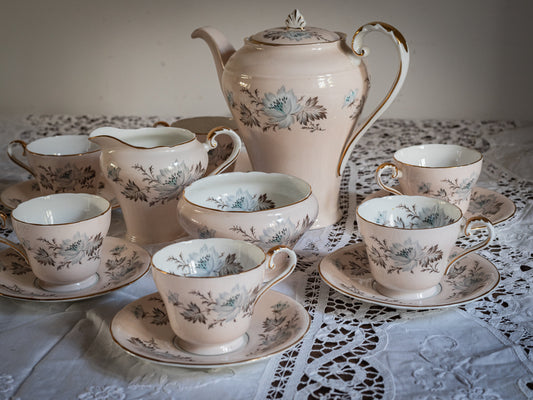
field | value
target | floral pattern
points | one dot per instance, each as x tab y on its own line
119	265
404	257
207	262
158	187
486	205
277	328
283	232
426	217
451	189
353	103
281	110
243	200
293	34
68	178
81	248
213	310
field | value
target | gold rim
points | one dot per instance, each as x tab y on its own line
208	277
59	155
310	192
409	229
108	208
216	365
479	159
149	148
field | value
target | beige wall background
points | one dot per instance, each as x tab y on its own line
469	58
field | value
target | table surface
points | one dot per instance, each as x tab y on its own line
353	349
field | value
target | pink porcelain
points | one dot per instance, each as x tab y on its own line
260	208
296	93
61	237
60	164
210	288
147	170
409	240
444	171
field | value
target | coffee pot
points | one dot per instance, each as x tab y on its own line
296	93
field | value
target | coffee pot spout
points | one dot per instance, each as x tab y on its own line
219	45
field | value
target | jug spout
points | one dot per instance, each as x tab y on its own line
106	138
220	47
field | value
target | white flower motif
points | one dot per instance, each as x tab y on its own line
281	107
6	383
103	393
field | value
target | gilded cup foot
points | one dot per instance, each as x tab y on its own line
407	295
211	350
71	287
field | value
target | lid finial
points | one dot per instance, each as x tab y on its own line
295	20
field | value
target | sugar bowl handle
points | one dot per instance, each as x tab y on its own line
361	51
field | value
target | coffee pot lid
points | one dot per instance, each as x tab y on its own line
295	32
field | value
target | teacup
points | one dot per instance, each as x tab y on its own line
61	164
266	209
210	288
445	171
61	237
409	240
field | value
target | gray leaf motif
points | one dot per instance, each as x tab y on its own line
79	249
404	257
281	110
157	187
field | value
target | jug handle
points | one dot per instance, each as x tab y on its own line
211	143
14	158
359	50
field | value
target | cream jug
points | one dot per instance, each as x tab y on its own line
296	93
148	168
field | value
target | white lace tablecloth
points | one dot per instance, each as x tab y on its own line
353	350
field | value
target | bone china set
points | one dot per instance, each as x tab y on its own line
215	287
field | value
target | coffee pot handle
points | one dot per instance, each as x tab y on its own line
271	264
359	50
211	143
14	158
15	246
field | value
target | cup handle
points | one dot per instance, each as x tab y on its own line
14	158
161	123
271	254
15	246
211	143
396	173
482	223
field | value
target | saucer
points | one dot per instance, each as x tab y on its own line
471	278
122	264
15	194
485	202
142	329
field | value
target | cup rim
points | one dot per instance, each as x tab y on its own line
185	243
58	155
308	192
41	198
478	159
458	220
192	136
